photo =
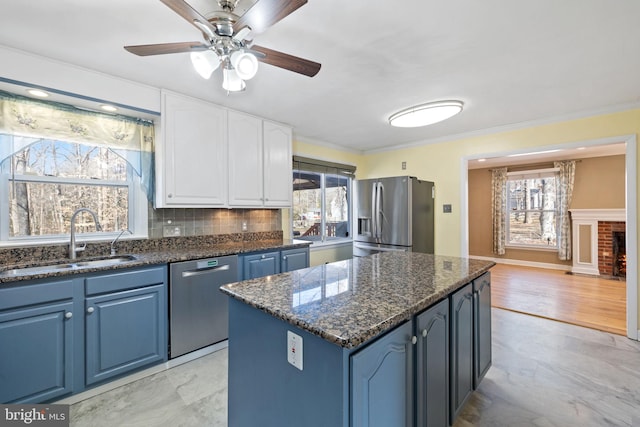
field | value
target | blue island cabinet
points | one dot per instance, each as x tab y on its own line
392	380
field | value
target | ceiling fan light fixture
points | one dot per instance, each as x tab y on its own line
426	114
231	81
205	62
245	64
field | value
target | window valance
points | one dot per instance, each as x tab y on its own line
131	138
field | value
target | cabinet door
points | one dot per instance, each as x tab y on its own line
294	259
382	381
260	265
193	158
432	366
278	184
482	327
36	353
245	160
461	348
124	331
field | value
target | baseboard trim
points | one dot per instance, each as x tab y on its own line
522	263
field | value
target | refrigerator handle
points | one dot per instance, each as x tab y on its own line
373	209
379	211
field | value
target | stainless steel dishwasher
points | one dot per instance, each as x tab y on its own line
198	311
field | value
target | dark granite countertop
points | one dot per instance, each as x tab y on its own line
350	302
145	252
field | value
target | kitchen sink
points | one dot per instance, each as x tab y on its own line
76	265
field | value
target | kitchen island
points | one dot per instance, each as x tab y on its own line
369	341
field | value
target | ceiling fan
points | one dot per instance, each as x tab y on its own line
227	43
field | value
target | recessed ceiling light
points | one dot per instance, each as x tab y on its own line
425	114
109	108
582	148
37	92
482	160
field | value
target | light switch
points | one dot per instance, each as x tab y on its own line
446	208
294	349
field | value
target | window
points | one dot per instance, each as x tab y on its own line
532	210
321	200
55	159
48	180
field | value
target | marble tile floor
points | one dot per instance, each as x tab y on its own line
544	374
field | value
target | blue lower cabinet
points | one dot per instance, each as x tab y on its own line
461	348
36	353
482	327
124	331
432	366
260	265
382	372
294	259
61	337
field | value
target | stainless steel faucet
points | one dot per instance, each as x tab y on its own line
72	242
113	244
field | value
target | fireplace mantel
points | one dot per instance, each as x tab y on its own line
599	214
585	236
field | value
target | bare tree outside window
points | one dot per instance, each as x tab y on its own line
48	180
532	219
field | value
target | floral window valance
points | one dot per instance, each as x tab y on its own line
131	138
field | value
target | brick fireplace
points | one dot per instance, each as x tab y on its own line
611	250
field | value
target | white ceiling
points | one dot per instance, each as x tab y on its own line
509	61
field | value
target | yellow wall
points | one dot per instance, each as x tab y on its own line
442	163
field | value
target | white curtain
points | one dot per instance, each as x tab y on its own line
564	190
499	209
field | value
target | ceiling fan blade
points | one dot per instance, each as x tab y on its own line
163	48
194	17
286	61
265	13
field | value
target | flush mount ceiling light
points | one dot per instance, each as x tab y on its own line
425	114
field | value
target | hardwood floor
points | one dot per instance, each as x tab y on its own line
580	300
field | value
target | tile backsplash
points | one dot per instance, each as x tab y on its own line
204	222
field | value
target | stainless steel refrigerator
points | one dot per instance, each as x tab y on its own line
394	214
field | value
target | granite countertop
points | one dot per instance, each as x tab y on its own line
145	252
350	302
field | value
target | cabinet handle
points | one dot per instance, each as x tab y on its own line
90	310
68	315
169	195
424	333
414	339
262	257
284	257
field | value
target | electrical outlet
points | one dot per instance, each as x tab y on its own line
244	226
294	349
404	165
446	208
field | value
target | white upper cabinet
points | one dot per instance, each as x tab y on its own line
209	156
259	163
245	160
191	157
277	165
